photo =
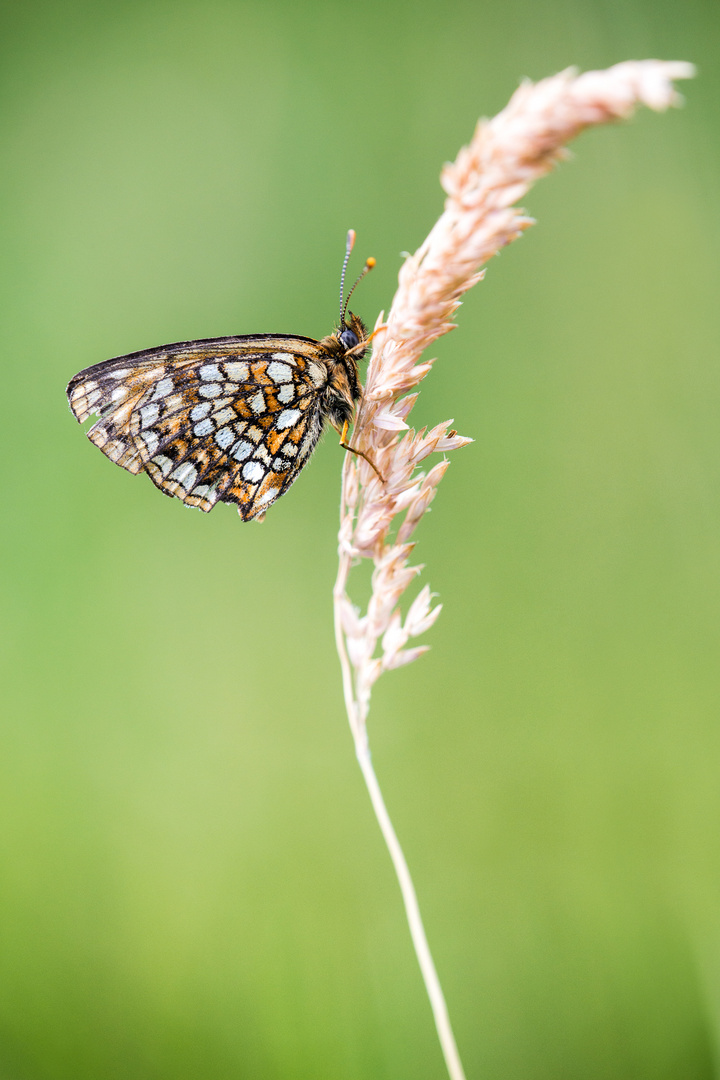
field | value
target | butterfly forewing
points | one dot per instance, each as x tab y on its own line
223	420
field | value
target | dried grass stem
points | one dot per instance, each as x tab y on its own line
377	519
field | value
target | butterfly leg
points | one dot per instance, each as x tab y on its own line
353	450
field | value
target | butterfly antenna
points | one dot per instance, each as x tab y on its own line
369	264
349	244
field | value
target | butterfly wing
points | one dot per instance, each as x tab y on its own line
222	420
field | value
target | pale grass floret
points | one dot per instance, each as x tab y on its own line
378	516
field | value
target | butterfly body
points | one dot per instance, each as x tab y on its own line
230	419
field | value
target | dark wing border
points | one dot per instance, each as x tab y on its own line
160	352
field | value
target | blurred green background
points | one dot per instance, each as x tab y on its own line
191	882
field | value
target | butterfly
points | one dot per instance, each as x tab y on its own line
230	419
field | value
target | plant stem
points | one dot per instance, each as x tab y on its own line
412	908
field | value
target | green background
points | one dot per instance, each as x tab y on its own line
191	881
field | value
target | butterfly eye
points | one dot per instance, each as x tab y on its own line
349	338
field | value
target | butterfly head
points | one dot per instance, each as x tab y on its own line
352	335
